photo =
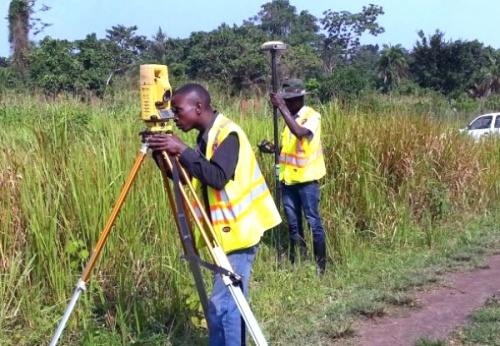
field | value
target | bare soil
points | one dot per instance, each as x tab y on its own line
442	310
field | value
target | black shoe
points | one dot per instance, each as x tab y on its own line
301	244
320	257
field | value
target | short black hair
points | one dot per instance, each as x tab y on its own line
197	89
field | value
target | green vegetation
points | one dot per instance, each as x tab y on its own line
484	328
406	199
324	51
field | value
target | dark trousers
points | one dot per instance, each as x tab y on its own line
301	199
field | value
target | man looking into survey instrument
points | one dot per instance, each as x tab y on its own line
229	182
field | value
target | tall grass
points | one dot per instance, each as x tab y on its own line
393	177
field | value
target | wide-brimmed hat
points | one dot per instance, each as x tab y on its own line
293	88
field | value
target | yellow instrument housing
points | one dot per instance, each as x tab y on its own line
155	94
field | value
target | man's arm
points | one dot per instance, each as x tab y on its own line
297	130
217	172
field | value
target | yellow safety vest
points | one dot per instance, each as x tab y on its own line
302	160
244	209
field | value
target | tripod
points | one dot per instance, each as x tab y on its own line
179	202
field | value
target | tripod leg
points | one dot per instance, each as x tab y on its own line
81	285
186	236
218	255
238	296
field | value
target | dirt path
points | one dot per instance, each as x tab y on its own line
442	310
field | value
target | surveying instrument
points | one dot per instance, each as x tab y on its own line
155	95
273	47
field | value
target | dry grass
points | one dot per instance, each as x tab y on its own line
11	218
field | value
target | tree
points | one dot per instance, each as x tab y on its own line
487	81
251	67
276	19
301	61
279	21
212	53
94	65
447	67
21	21
168	51
19	14
344	84
156	49
228	55
53	66
343	31
125	48
366	61
305	30
392	65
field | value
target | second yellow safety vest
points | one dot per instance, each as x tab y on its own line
302	160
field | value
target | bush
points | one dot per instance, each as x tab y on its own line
345	84
493	103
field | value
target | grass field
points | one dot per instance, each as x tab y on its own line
404	194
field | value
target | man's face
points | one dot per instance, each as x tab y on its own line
294	104
185	109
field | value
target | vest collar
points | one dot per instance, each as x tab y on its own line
300	114
204	136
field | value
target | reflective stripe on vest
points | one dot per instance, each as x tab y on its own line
227	212
302	160
298	159
239	207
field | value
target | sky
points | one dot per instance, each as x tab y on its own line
74	19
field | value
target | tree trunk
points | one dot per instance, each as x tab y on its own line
19	13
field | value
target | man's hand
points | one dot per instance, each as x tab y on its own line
277	101
163	142
144	135
266	147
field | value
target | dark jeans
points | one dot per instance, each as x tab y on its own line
298	198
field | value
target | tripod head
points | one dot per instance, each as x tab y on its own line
155	93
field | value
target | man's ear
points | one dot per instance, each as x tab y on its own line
198	108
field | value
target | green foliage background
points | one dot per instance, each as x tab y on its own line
326	50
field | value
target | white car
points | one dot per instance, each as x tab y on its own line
486	124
